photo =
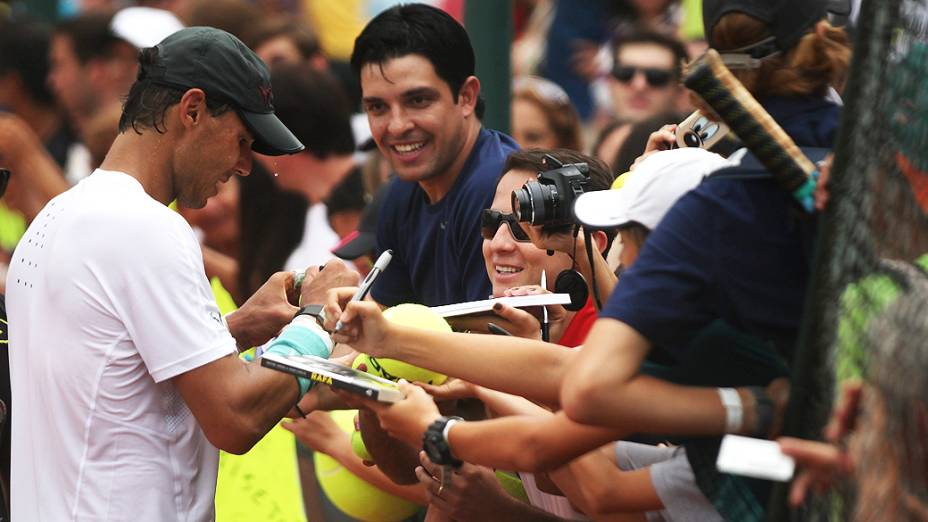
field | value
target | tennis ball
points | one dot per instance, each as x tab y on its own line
353	496
357	445
416	316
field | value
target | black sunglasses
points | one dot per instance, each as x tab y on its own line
4	179
654	76
490	220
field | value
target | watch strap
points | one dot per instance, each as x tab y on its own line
316	311
436	439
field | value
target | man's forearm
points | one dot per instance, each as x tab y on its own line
263	396
525	443
236	403
503	404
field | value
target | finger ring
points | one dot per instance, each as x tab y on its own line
441	487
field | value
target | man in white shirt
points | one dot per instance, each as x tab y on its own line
125	373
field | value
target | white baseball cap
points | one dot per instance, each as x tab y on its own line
650	190
144	26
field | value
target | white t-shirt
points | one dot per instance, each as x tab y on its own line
107	301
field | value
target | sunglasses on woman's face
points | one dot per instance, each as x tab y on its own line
490	220
654	76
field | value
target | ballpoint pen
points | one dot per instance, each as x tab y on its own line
496	329
545	335
368	282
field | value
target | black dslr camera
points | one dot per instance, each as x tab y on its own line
550	200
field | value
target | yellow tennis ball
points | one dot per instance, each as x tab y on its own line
358	447
353	496
417	316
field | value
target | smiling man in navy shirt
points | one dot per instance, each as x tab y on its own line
416	67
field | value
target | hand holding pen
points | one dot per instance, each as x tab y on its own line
368	281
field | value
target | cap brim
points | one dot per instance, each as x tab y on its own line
272	137
602	208
355	245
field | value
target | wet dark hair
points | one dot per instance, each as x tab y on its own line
419	29
147	102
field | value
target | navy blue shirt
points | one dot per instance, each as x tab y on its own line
730	249
437	249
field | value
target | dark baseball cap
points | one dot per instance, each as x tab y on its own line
364	240
787	20
226	69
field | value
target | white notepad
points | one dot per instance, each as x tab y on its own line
518	301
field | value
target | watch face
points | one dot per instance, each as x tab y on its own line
432	444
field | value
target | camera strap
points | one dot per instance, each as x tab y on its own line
588	240
571	281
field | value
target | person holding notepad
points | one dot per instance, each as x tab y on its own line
515	265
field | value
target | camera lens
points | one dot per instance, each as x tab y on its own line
521	205
534	203
691	139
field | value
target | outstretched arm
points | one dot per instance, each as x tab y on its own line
491	361
603	386
522	443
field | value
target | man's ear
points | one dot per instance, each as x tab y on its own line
192	107
600	239
468	95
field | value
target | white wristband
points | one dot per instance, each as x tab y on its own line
444	432
734	410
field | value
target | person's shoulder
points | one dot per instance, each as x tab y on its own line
726	184
497	140
487	161
492	149
127	216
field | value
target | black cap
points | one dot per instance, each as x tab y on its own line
219	63
364	240
788	20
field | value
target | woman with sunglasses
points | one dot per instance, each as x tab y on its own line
515	265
